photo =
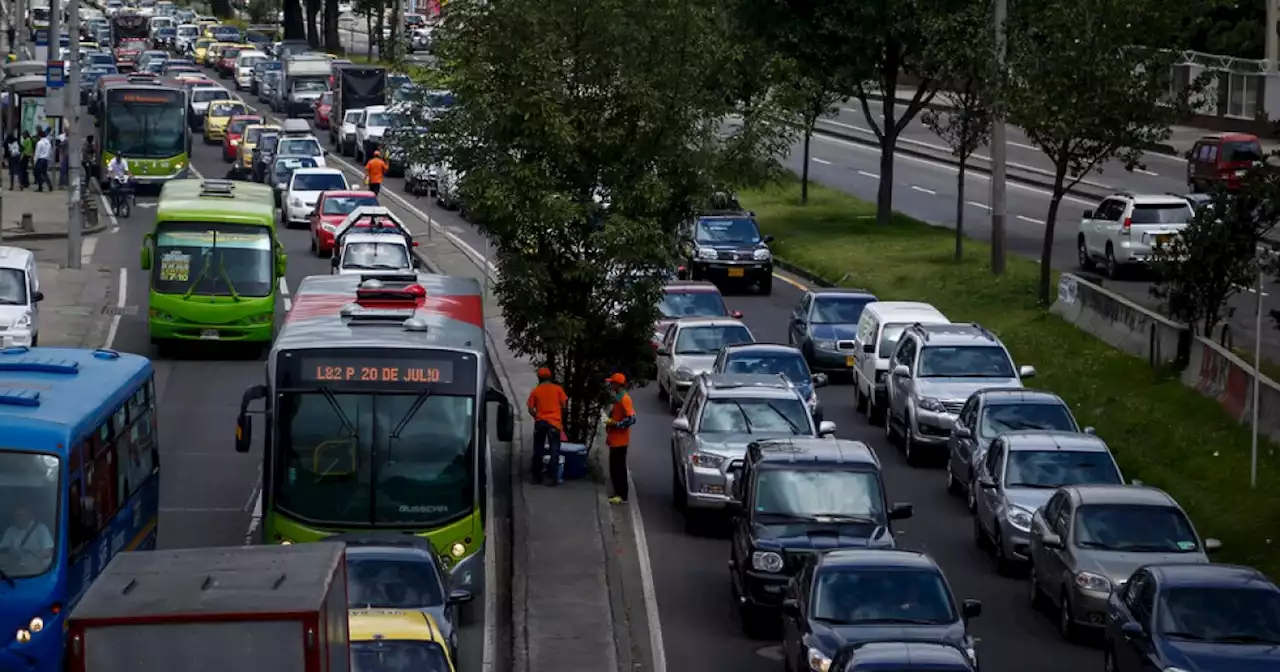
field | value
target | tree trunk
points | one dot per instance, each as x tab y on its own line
960	209
1046	247
293	28
368	23
884	193
804	170
313	11
397	27
332	40
221	9
379	26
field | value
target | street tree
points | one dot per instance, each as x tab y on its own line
811	95
964	117
1089	82
585	134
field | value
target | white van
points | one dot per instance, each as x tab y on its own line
20	296
881	324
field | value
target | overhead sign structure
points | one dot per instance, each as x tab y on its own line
55	75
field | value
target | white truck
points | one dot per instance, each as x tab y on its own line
305	78
372	241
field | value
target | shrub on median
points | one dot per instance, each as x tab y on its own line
1161	431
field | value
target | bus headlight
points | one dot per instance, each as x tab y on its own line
458	550
23	636
36	624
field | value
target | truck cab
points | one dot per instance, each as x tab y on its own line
372	241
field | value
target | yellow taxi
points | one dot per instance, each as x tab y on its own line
391	639
202	47
244	153
89	46
217	118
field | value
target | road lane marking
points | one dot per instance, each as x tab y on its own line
121	291
924	191
87	246
822	161
1146	172
791	281
646	582
1254	291
870	175
1020	145
976	204
284	292
1030	219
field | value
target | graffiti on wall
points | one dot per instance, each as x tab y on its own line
1223	381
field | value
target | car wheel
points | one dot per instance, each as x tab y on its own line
755	622
859	400
679	494
953	484
1003	563
766	286
1037	597
1108	660
873	412
908	444
1066	625
1082	255
1112	266
980	537
889	434
971	497
673	403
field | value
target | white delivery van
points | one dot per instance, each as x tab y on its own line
881	324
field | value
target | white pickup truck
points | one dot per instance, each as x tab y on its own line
373	241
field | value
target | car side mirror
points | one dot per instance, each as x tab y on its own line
1088	214
680	425
767	239
987	483
902	370
663	352
901	511
820	379
1027	372
826	428
961	432
37	296
971	608
869	348
1211	545
1090	430
791	606
282	263
460	597
244	421
737	314
1050	540
505	423
1133	630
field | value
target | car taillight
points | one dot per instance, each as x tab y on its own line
1126	226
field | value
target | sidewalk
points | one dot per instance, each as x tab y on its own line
78	303
566	561
48	211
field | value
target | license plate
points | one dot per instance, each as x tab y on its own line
850	361
736	272
1162	239
209	335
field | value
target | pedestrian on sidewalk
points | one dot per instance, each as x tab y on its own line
617	435
24	164
374	171
44	153
13	158
64	161
547	404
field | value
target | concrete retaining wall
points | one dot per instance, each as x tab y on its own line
1206	366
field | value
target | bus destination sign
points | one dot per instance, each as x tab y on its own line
377	371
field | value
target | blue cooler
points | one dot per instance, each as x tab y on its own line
573	460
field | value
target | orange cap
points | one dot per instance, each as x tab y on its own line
544	373
616	379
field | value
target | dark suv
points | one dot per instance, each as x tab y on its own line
726	248
795	498
902	656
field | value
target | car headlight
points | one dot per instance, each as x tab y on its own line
707	253
684	373
458	550
930	404
23	321
1174	669
762	254
766	561
297	202
818	661
706	460
36	624
823	344
1019	518
1094	582
234	142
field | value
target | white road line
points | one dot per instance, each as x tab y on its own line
284	292
87	246
1020	145
976	204
121	293
822	161
1146	172
1030	219
925	191
870	175
106	207
646	582
1254	291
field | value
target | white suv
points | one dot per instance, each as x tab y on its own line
1125	229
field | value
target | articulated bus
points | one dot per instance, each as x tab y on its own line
79	482
376	401
146	123
214	263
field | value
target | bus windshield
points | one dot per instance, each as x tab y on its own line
376	458
148	125
29	494
213	259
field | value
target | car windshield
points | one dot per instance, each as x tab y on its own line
966	361
889	338
839	309
1000	418
252	133
13	287
755	416
871	596
1055	468
820	492
301	147
392	583
1246	150
319	182
343	205
709	340
1220	615
1163	213
727	231
267	143
209	95
352	116
789	364
375	256
1134	529
398	655
188	31
213	259
226	109
29	495
250	61
236	127
691	304
378	119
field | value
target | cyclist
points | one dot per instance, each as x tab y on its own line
119	174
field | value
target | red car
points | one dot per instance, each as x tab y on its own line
127	54
331	209
321	108
689	298
226	65
235	130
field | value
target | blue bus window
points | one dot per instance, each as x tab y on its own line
73	465
119	420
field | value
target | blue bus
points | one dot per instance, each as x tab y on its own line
79	482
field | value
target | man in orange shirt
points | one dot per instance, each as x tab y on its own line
617	435
374	171
547	403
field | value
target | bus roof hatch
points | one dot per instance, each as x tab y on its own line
218	188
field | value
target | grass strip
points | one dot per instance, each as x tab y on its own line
1160	431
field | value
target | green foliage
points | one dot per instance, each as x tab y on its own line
810	94
1089	82
263	11
586	132
1231	28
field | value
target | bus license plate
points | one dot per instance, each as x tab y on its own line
736	272
209	335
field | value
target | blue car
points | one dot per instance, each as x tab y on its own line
824	325
1195	617
770	358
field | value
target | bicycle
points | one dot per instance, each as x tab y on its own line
122	197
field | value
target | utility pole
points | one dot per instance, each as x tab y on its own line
53	51
1273	34
18	19
999	156
70	124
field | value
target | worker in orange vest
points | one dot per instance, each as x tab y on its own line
617	435
547	404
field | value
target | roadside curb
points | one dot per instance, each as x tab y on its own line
51	235
802	272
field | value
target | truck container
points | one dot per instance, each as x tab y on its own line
277	608
306	76
355	87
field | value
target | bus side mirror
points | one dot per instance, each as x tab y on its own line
146	253
506	422
244	421
282	260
